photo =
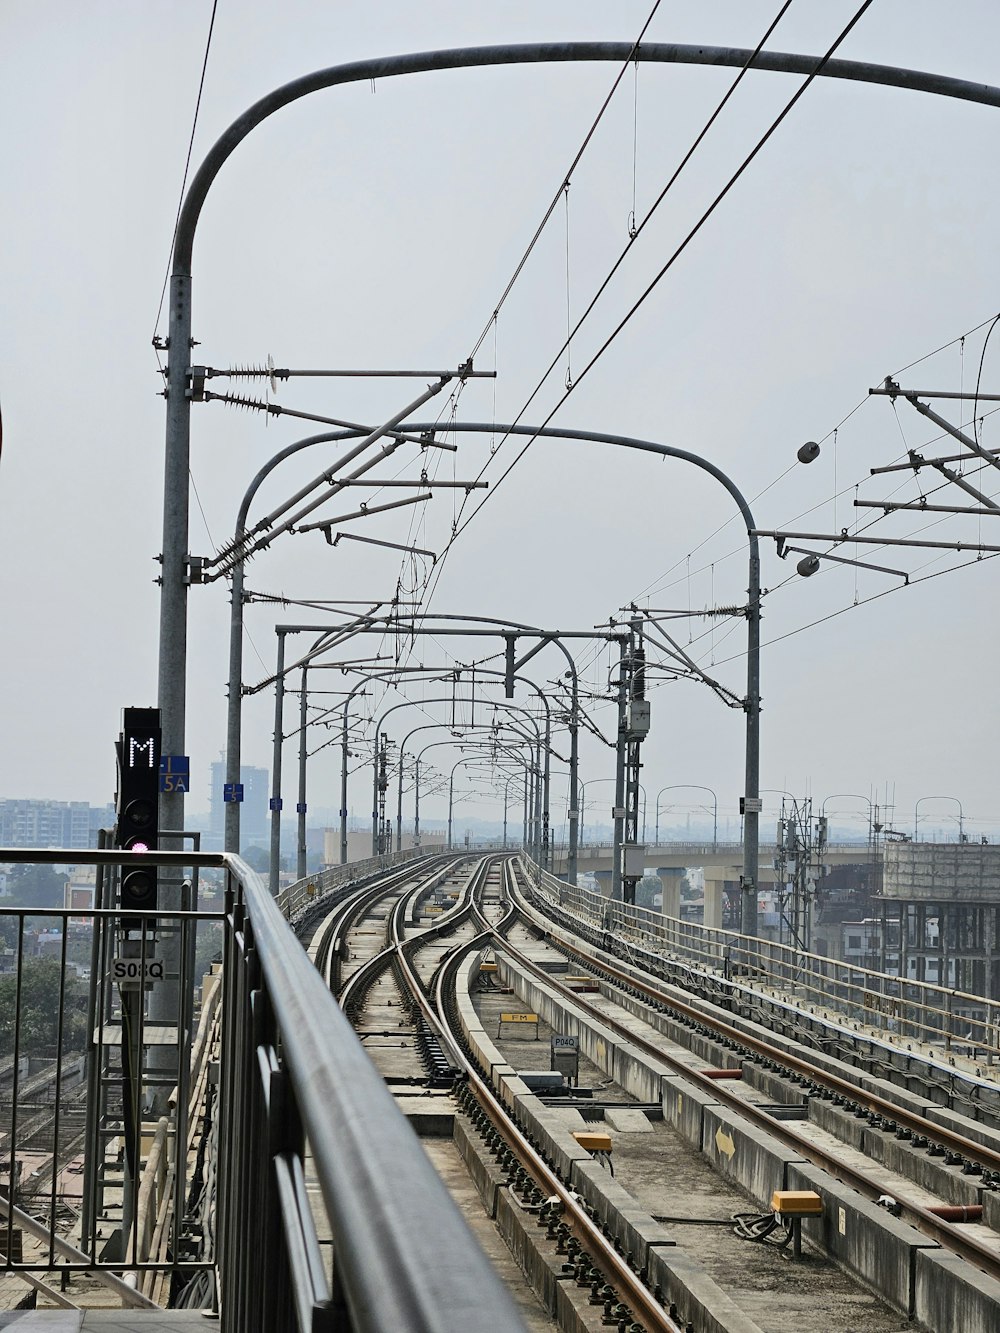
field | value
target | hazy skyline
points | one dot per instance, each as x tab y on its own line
376	226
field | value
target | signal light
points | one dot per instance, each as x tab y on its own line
138	889
137	804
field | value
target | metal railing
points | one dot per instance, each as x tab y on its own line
100	1089
303	892
901	1009
706	847
301	1189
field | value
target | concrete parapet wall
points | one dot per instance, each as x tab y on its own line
942	871
598	1043
746	1155
867	1239
951	1294
701	1303
684	1108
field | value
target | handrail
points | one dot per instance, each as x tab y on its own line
902	1008
296	896
706	847
404	1257
298	1101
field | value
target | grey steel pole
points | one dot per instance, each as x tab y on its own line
343	778
538	803
751	815
574	764
451	797
416	802
172	687
164	999
173	592
620	749
399	804
300	805
546	782
234	708
532	824
279	700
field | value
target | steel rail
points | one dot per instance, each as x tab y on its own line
352	995
921	1218
330	938
404	1256
613	1267
602	1253
875	1103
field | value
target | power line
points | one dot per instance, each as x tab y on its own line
567	177
458	526
678	251
187	164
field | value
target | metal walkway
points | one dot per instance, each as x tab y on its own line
103	1321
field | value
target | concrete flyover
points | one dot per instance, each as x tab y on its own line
721	865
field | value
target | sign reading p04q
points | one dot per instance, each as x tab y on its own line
131	973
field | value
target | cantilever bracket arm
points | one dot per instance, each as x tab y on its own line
377	541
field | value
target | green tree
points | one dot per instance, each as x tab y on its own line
257	858
38	1022
35	886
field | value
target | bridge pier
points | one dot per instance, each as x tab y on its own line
670	882
715	892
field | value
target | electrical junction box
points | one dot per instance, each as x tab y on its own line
633	860
638	719
797	1203
565	1051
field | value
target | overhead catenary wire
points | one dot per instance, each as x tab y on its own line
634	232
563	184
660	586
675	255
835	489
187	164
861	528
431	580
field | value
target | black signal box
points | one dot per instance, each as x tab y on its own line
137	804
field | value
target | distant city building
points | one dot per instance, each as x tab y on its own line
80	888
52	823
254	812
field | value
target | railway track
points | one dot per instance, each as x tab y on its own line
416	973
405	951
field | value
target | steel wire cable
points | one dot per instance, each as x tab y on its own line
187	168
563	184
675	255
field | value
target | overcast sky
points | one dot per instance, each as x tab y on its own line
377	227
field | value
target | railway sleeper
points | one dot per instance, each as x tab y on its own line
926	1164
889	1255
696	1300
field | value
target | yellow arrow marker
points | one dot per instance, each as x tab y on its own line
724	1143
